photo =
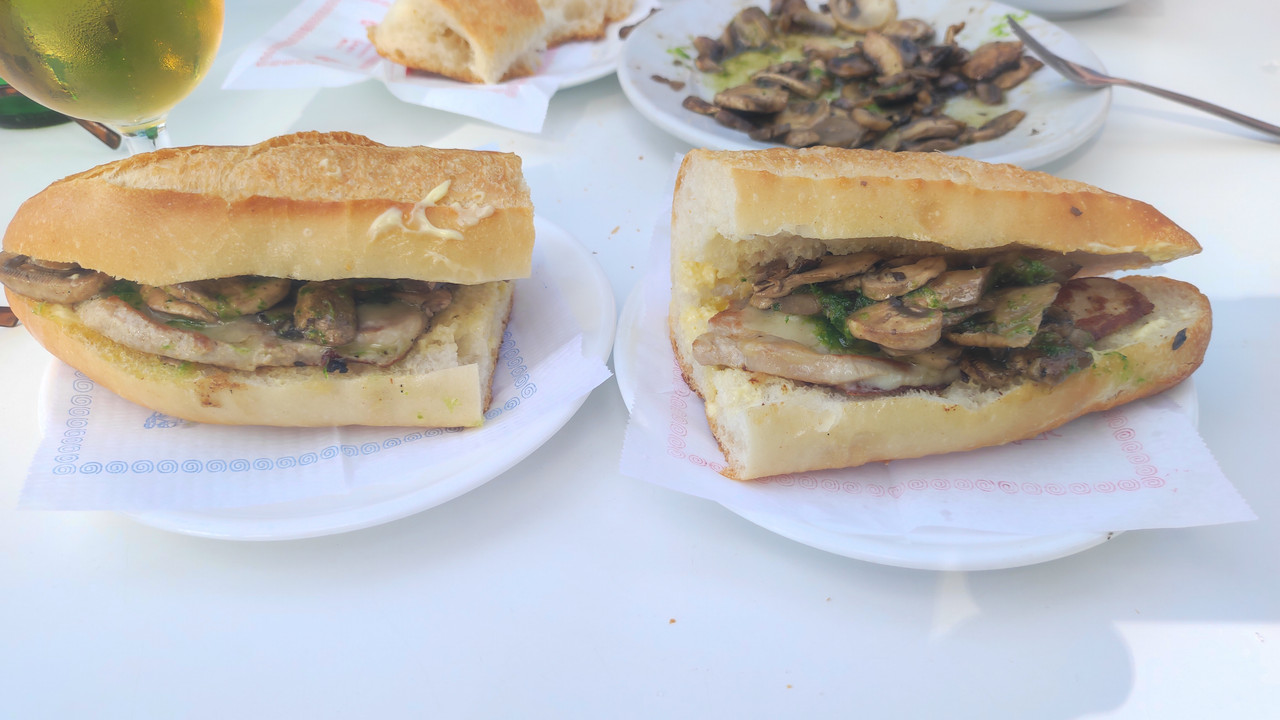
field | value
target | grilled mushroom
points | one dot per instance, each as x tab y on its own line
863	15
901	279
803	88
228	298
749	29
991	59
1013	321
997	126
884	53
938	126
895	325
775	284
750	98
325	313
47	281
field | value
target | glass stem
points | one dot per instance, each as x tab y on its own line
140	140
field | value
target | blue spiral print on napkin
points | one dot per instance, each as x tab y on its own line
510	358
68	460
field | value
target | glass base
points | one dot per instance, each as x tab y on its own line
147	139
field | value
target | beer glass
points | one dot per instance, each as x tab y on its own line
123	63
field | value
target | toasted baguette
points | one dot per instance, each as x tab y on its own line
734	211
311	206
468	40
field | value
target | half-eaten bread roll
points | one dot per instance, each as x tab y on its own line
477	42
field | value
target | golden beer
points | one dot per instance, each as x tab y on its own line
125	63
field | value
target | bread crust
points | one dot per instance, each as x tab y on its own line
445	381
733	211
309	206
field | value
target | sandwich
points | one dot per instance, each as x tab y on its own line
311	280
487	41
839	307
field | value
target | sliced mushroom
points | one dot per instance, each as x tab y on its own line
829	269
839	130
801	138
807	21
938	126
913	29
991	59
698	105
803	88
803	114
951	289
748	30
896	89
1013	320
851	66
988	93
896	326
884	53
902	279
232	297
325	313
870	120
736	121
997	126
1014	77
863	15
710	48
160	300
753	99
775	131
38	281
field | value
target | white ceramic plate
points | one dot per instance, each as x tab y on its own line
1066	9
1060	116
586	291
925	549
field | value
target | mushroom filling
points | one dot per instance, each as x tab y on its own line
242	323
868	325
852	74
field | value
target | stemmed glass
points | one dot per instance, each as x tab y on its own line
123	63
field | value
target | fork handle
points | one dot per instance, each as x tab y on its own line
1210	108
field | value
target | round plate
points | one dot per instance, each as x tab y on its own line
1060	116
924	549
586	292
1066	9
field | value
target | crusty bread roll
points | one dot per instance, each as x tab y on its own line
573	20
734	212
487	41
189	213
431	237
468	40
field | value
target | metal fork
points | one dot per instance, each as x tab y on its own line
1092	78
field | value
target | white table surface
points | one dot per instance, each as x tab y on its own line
562	589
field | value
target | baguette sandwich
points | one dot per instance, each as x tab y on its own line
838	307
310	280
